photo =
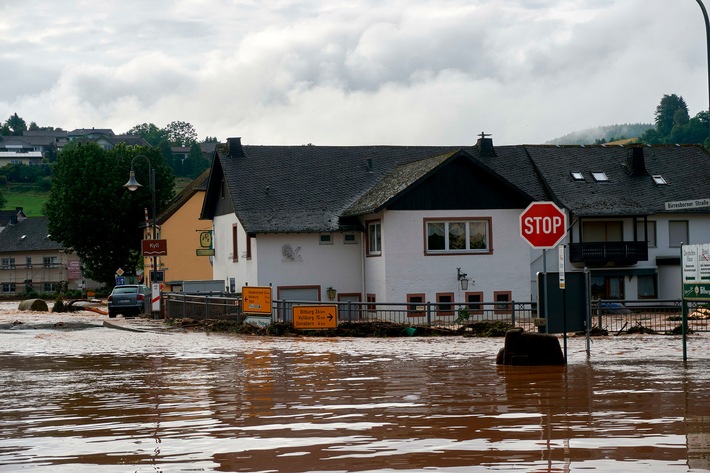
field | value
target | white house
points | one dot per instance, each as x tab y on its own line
405	223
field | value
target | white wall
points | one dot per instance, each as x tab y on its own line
409	270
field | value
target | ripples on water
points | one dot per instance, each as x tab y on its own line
101	400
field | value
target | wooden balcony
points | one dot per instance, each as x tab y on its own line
604	252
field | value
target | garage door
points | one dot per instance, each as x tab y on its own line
291	295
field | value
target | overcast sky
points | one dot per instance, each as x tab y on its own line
419	72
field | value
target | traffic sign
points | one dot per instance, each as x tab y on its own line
312	317
543	225
256	300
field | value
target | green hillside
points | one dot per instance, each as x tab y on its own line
27	196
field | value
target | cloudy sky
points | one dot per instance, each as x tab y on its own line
420	72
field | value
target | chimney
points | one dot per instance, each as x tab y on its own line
635	163
485	145
234	147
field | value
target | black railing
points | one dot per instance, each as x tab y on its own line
602	252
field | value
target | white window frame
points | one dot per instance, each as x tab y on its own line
7	263
374	238
447	222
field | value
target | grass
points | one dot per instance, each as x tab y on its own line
30	198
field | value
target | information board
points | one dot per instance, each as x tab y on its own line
256	300
696	272
315	317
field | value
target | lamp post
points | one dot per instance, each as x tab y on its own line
707	36
133	185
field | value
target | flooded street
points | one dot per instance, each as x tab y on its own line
81	397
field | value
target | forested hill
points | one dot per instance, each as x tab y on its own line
602	134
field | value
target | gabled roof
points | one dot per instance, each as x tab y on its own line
28	235
686	169
310	188
11	217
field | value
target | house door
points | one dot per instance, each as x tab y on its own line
354	312
297	294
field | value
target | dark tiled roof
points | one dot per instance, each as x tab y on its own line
685	168
28	235
11	216
308	188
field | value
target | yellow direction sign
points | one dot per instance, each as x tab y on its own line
256	300
314	317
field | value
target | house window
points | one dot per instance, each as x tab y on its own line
50	287
221	189
326	239
651	236
445	304
677	233
600	176
474	302
415	305
647	286
235	243
349	239
374	238
603	231
577	176
49	262
458	236
371	303
607	287
7	263
9	287
659	180
28	262
502	302
249	237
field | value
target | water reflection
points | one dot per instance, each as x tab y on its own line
101	400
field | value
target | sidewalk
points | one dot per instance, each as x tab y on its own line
139	324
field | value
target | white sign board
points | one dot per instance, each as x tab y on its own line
687	204
155	297
561	255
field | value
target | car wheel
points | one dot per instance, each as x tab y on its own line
112	314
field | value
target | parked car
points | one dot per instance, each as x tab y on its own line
131	299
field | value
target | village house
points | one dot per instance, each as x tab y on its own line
408	223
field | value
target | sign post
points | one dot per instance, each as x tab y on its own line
543	225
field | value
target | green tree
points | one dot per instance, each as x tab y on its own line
3	200
180	133
14	126
195	162
90	212
149	132
666	113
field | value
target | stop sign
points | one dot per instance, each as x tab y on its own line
543	225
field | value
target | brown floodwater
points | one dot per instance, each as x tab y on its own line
84	398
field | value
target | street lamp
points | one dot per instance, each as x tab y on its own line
134	185
707	36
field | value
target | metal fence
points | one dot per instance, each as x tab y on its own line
614	316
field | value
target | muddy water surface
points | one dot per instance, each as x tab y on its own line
85	398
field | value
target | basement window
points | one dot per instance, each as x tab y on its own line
577	176
326	239
659	180
600	176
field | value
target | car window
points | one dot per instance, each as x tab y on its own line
125	290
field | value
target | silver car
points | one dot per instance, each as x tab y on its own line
131	299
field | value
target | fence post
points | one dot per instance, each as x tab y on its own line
512	313
428	313
184	305
599	313
350	312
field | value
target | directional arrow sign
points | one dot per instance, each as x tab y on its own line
315	317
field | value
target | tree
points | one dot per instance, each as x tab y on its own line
149	132
195	162
91	213
3	200
14	126
666	113
180	133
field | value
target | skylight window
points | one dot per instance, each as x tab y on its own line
600	176
577	176
659	180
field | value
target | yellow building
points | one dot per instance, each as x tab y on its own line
180	225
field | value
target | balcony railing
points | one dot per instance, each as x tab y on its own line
603	252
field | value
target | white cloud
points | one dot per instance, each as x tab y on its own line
405	72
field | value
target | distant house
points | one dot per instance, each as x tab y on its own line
31	260
18	150
180	225
11	217
402	223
